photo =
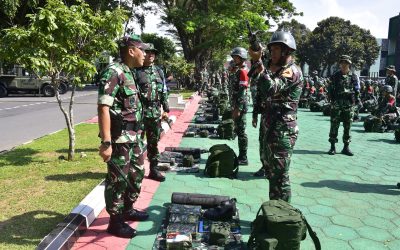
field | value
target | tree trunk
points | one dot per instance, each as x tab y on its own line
68	116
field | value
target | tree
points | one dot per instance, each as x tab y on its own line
335	36
180	69
203	27
62	40
165	46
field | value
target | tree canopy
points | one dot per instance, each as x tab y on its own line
165	46
335	36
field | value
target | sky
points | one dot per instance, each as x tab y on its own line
372	15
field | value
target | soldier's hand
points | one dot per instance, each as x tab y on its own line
164	116
254	122
105	153
236	113
255	55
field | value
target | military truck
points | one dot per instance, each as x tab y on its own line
18	80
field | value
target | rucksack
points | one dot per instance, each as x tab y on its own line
226	129
279	226
373	124
222	162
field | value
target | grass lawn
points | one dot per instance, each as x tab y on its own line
186	93
37	190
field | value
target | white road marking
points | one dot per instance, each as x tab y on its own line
38	103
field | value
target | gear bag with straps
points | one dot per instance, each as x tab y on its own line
279	226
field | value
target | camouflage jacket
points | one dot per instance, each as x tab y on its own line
117	89
240	82
392	81
344	89
153	90
280	93
386	105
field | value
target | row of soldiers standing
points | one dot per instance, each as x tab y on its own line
131	94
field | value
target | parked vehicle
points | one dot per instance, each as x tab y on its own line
18	80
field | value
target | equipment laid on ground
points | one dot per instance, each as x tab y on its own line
280	226
195	152
196	130
222	162
190	226
326	109
317	106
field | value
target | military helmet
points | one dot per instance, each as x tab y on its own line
239	51
391	68
282	37
388	88
150	47
368	81
345	58
132	40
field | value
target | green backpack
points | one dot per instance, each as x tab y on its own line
226	129
279	226
222	162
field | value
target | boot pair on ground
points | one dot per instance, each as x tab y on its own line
346	150
118	227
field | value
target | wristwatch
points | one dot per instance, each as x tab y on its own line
106	144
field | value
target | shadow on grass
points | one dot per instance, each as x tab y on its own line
18	157
75	177
29	228
79	150
354	187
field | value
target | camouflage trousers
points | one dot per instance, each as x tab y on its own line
152	129
240	130
344	115
253	91
277	150
119	196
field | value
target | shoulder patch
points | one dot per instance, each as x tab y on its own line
288	73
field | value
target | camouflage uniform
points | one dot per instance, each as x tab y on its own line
153	91
239	101
393	81
117	89
282	91
343	93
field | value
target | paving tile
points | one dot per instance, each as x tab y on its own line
366	244
347	221
323	210
340	232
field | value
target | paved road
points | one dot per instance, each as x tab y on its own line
24	118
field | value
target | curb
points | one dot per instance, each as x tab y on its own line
78	221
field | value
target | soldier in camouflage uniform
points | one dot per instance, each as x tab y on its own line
153	90
120	119
239	101
232	69
344	95
391	79
280	84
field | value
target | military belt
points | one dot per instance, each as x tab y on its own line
131	126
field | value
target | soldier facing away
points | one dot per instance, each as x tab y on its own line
239	101
153	92
280	83
120	120
344	94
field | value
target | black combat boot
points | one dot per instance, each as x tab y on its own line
332	151
346	150
119	228
135	215
260	172
243	160
155	174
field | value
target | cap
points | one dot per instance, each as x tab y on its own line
391	67
150	47
345	58
132	40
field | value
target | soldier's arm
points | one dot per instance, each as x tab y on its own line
243	84
164	92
